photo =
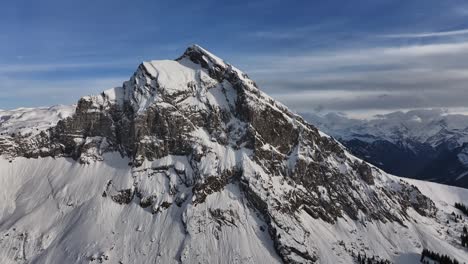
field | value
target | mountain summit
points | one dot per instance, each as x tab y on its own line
189	162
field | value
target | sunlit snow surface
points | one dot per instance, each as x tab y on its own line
52	211
33	120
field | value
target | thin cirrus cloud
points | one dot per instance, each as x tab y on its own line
429	34
48	67
43	84
414	54
34	93
368	79
304	32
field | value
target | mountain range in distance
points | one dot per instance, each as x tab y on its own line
421	144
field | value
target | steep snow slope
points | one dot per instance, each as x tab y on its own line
188	162
441	194
54	211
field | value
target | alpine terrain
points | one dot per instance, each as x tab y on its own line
421	144
189	162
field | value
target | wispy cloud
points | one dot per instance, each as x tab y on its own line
429	34
460	10
363	59
45	67
292	33
346	100
276	35
390	78
35	92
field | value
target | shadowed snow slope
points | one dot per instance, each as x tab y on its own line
189	162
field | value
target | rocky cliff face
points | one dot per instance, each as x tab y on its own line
193	126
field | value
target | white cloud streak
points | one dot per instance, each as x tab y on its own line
414	54
33	93
389	78
429	34
46	67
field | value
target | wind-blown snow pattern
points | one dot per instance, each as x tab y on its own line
189	162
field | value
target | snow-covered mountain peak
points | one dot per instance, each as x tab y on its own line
191	75
203	57
191	156
216	66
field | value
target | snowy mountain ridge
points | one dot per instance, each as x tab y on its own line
31	120
422	144
432	127
189	162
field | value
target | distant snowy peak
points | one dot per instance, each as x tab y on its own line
433	127
33	120
422	144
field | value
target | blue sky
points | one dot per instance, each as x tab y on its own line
361	56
